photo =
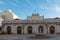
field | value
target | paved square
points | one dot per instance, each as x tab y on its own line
25	37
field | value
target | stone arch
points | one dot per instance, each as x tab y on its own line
19	30
29	29
52	29
9	29
40	29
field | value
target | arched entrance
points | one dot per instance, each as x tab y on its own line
52	30
40	29
9	30
0	28
19	30
29	29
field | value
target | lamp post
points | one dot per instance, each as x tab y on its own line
23	28
47	28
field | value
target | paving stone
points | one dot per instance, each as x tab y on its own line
24	37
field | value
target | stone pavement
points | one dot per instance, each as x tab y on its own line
26	37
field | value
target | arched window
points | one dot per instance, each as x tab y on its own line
52	29
19	30
9	29
0	28
40	29
29	29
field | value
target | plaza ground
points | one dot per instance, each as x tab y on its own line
26	37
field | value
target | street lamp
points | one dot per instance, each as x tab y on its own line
23	28
47	28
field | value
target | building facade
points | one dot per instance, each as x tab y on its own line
34	24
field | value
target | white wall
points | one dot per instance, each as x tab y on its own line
34	28
57	28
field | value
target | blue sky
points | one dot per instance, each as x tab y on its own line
24	8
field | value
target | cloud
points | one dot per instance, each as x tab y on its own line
29	2
57	9
1	2
13	4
